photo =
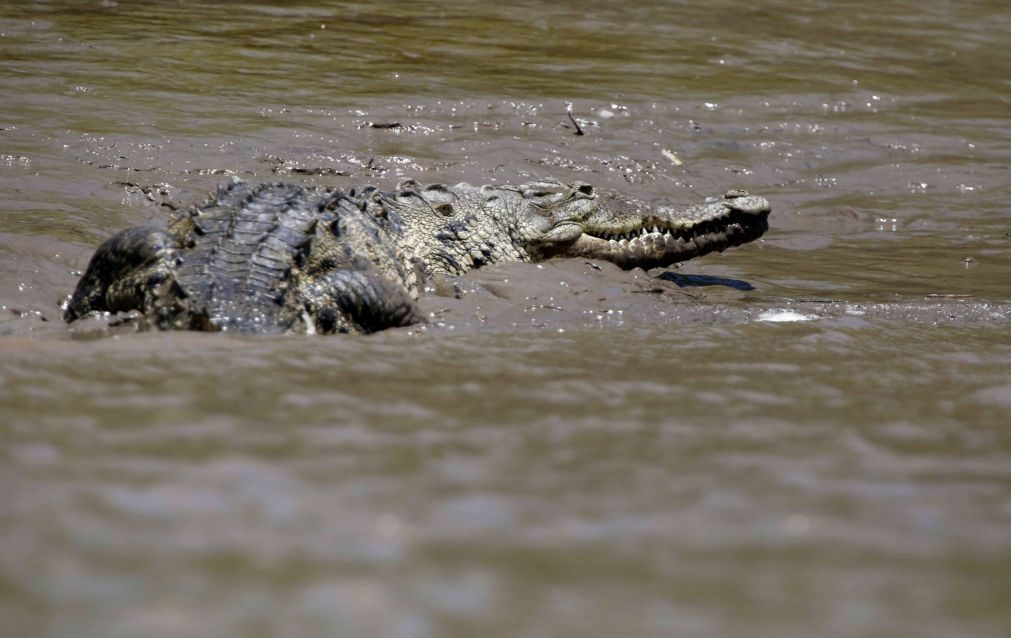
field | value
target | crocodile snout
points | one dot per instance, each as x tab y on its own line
740	200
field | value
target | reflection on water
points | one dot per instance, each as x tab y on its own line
567	449
696	281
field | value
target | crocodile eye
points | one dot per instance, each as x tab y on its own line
445	210
335	228
585	189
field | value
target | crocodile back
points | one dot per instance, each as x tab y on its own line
241	249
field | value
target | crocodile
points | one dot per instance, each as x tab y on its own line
281	258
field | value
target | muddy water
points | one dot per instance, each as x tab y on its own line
804	436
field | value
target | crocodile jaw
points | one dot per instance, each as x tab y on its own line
670	237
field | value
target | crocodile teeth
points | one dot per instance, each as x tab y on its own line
655	229
644	232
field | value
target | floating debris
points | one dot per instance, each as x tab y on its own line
669	154
784	315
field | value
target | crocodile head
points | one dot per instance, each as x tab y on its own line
577	221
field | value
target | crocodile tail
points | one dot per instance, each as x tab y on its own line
122	272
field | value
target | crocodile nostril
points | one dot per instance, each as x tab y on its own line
585	189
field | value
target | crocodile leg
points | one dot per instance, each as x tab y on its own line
125	273
358	301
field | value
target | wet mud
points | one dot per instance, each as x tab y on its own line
802	436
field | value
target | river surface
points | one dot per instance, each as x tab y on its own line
805	436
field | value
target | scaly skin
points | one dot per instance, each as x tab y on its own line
281	258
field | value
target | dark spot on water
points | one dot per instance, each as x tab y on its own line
698	281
